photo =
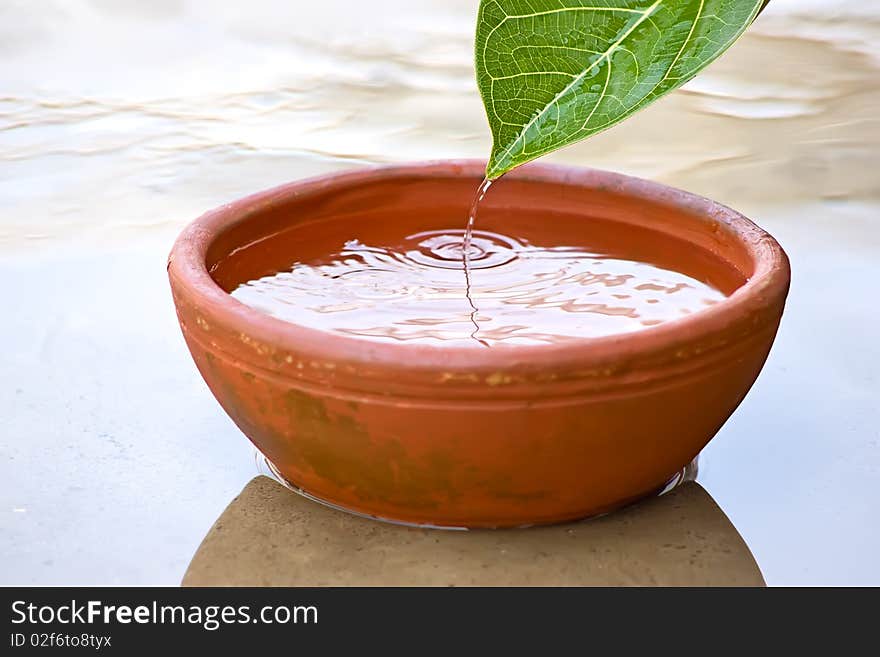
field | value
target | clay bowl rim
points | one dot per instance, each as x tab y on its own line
751	305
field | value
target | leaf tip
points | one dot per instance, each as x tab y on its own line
496	168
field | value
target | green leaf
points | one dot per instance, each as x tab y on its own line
552	72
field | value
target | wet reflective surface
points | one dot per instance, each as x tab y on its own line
115	457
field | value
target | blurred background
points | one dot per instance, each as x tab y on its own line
121	120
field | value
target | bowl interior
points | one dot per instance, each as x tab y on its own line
309	226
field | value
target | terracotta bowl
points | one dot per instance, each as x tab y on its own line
480	437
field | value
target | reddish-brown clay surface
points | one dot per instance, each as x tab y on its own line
501	436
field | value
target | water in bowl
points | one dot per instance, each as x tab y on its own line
415	290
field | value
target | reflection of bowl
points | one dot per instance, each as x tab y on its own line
464	436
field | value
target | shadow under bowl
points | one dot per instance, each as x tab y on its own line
480	437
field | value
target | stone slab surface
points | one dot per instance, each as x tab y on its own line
270	536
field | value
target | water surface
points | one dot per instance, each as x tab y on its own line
515	293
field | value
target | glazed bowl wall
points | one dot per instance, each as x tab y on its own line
504	436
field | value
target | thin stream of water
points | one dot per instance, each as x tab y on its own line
466	255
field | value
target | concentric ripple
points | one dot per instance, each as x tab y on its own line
523	294
443	249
